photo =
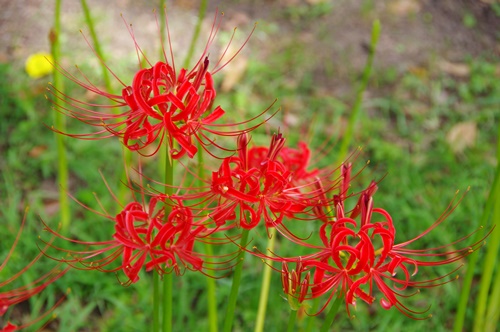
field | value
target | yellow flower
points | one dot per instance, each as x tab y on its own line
37	65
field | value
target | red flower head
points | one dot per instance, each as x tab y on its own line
262	186
143	237
359	254
159	104
367	255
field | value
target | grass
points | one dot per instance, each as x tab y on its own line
403	132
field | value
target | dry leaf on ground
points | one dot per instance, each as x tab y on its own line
461	136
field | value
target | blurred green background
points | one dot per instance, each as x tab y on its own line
428	126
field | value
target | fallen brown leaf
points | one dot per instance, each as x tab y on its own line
455	69
461	136
404	8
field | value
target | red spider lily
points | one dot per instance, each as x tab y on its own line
377	260
161	103
359	254
260	186
142	238
294	160
12	296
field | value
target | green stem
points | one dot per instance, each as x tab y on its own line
168	278
266	283
474	257
168	287
127	154
233	296
493	314
330	317
490	262
60	122
97	45
356	108
163	162
163	24
291	321
486	279
156	302
311	319
197	29
211	292
211	286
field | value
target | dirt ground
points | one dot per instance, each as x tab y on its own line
414	31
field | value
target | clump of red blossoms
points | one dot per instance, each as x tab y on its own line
351	253
145	235
262	183
158	232
12	295
359	253
160	103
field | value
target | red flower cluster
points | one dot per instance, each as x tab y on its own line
358	254
254	185
262	184
159	104
353	252
144	236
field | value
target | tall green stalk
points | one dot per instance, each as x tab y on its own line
474	257
168	287
356	108
211	292
233	296
156	302
491	259
163	25
60	122
291	320
127	154
211	285
492	316
489	264
209	252
97	45
196	34
266	283
163	170
168	278
312	319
